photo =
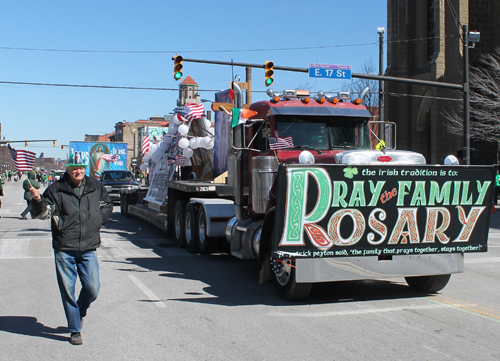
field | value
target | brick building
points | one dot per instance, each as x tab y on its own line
132	133
423	43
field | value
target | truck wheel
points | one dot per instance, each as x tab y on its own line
428	284
191	229
179	234
284	281
206	244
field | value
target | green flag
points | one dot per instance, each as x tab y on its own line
235	117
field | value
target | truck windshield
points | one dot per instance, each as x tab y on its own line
117	176
324	132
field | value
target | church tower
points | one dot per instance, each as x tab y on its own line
188	92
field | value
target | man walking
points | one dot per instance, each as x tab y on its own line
27	185
78	206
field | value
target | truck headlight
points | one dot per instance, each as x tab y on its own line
451	160
306	157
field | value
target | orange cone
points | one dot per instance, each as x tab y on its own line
493	210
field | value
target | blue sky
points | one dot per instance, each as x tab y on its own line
130	44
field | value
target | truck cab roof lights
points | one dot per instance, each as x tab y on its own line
357	101
331	99
344	96
273	95
320	97
305	100
295	93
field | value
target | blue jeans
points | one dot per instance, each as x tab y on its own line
69	264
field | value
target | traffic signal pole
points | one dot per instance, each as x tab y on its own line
354	75
28	141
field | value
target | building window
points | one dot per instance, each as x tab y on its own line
430	29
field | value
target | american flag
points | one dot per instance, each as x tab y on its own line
145	141
110	158
24	160
197	111
178	159
182	110
280	143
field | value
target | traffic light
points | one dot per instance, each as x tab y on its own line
62	147
26	143
269	72
54	143
177	67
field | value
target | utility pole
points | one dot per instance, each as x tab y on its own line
381	31
248	71
466	151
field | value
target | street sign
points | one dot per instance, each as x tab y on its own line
330	71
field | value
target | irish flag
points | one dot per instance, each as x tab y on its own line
240	116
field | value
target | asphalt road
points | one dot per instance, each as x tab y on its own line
158	302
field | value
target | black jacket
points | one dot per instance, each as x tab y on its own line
75	221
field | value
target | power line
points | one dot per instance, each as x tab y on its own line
179	51
217	51
93	86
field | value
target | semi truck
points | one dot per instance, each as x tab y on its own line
317	192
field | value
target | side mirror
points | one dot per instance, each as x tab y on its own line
389	133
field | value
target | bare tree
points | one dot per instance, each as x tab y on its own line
484	102
355	86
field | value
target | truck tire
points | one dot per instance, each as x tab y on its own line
191	229
206	244
285	284
428	284
179	234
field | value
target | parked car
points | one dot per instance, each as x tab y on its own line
116	180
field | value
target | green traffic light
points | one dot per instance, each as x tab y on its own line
269	81
177	75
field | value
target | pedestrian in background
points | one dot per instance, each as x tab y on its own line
78	207
1	192
27	184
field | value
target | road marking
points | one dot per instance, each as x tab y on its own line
5	211
356	312
147	292
467	307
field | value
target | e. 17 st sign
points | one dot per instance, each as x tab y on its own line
330	71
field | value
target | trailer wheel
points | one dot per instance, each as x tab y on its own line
428	284
206	243
284	281
179	233
191	229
